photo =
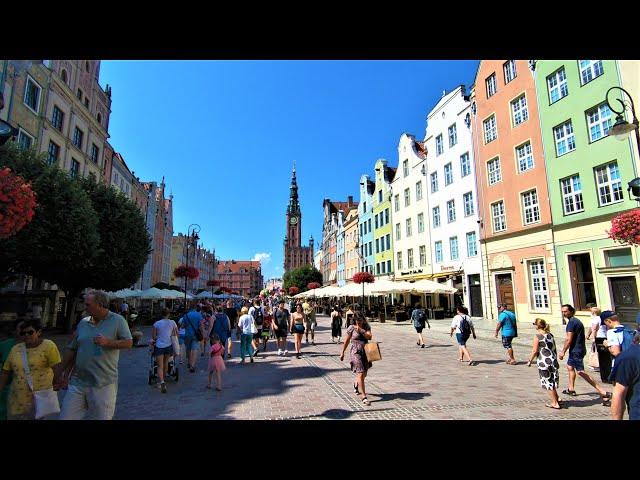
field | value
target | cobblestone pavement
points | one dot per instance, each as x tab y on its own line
408	383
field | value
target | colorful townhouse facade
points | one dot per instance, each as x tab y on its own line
340	250
382	230
587	174
351	251
452	212
630	80
516	238
365	226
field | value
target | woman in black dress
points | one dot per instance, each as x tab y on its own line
336	324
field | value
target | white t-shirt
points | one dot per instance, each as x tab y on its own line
602	329
614	339
455	323
164	328
244	322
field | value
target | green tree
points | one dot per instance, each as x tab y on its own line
301	277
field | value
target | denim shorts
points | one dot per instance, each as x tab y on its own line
576	362
191	343
163	351
506	341
461	340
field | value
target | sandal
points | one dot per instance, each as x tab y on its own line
355	389
566	391
559	407
606	400
366	401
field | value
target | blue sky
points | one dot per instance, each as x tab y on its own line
225	134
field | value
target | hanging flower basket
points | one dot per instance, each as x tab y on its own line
625	228
213	283
363	277
189	272
293	290
17	203
313	285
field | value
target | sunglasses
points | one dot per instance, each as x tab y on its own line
27	332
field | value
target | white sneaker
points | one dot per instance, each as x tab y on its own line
279	351
286	352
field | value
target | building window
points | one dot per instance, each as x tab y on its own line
453	247
498	217
491	85
377	269
590	69
439	145
434	182
399	260
24	140
565	140
493	169
557	85
451	211
389	269
609	184
538	282
620	257
377	245
490	129
421	223
519	110
376	219
524	157
408	226
397	231
472	246
77	137
465	165
32	94
405	168
94	153
582	280
99	118
369	224
509	69
410	258
571	195
63	75
407	198
75	168
79	94
438	251
379	196
419	191
599	122
423	255
396	202
53	153
448	174
468	204
57	118
530	207
86	102
436	217
388	235
453	135
386	216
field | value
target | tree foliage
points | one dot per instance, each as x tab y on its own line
301	277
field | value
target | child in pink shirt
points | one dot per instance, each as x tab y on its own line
216	361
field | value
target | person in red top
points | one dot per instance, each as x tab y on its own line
216	361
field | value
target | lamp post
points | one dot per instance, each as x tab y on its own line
621	129
192	238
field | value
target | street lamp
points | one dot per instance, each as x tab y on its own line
621	130
192	238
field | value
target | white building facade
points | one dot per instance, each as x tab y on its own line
452	199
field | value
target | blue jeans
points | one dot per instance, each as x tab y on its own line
245	345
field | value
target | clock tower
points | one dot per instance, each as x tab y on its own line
295	255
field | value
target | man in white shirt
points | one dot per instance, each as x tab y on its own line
615	336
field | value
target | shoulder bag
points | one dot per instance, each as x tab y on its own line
372	351
45	401
197	331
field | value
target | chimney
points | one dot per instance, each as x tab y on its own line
350	200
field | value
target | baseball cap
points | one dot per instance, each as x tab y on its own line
607	314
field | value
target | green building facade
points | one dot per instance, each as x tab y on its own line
382	237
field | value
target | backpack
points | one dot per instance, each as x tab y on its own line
628	336
465	327
257	315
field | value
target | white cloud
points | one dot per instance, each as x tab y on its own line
263	258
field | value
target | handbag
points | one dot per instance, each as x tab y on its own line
593	360
176	345
45	401
254	329
372	351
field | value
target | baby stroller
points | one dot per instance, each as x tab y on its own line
172	370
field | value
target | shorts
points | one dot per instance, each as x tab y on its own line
181	339
577	362
163	351
191	343
298	328
419	329
506	342
462	341
310	325
281	333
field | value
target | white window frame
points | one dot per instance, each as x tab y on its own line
434	182
452	133
539	299
49	162
571	195
465	165
439	145
568	137
423	255
498	216
524	157
589	68
490	129
73	139
26	89
408	229
418	191
421	223
491	85
613	187
453	242
405	168
509	69
438	251
410	258
396	202
399	260
407	197
467	201
530	207
474	243
398	230
448	174
24	133
519	110
435	212
557	82
451	211
494	171
599	121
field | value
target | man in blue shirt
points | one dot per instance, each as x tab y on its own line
626	374
577	350
507	323
192	320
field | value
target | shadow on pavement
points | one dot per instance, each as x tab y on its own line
387	397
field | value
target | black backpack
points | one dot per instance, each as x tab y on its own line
465	327
257	315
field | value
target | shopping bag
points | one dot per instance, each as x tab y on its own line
46	402
372	350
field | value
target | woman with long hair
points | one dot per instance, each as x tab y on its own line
163	330
297	327
358	335
545	355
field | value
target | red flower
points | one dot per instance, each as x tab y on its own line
293	290
213	283
363	277
184	271
313	285
625	228
17	203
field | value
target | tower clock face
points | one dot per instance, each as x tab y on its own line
293	220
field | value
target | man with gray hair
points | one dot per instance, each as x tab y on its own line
92	356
